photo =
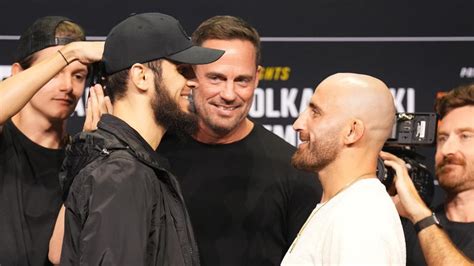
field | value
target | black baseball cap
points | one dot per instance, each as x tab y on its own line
150	36
42	34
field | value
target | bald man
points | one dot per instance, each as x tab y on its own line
349	118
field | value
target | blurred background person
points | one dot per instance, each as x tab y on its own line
48	78
444	236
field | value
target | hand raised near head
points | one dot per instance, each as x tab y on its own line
85	52
97	105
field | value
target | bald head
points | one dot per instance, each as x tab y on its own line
361	97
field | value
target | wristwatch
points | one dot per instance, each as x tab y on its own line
426	222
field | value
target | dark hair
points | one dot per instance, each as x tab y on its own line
458	97
64	29
116	83
228	28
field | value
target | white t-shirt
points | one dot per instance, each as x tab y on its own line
359	226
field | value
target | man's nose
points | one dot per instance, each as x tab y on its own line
298	125
192	83
65	82
228	92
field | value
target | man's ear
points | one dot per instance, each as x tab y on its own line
257	76
16	68
140	76
354	131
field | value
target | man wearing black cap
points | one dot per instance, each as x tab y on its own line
48	79
123	208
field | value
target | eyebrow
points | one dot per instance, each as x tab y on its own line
458	130
82	70
471	129
243	77
220	75
217	74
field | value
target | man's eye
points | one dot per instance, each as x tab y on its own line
441	139
186	71
466	135
214	79
243	82
79	77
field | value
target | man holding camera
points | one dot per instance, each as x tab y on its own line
445	236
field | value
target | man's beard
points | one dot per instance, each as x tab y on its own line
168	113
316	156
457	181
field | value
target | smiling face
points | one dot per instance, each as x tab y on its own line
57	99
178	79
340	124
455	150
226	87
170	103
319	129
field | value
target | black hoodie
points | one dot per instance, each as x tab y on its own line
122	207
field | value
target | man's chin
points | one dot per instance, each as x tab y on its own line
221	125
59	117
298	161
454	187
187	124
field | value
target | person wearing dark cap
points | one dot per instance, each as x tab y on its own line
123	208
48	77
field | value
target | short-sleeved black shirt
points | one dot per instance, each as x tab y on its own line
30	197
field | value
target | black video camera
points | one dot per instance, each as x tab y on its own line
96	74
409	131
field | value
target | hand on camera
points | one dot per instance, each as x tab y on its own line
407	200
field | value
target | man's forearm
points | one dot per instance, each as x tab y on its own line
438	249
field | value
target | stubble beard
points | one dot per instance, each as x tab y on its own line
316	156
455	181
220	125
